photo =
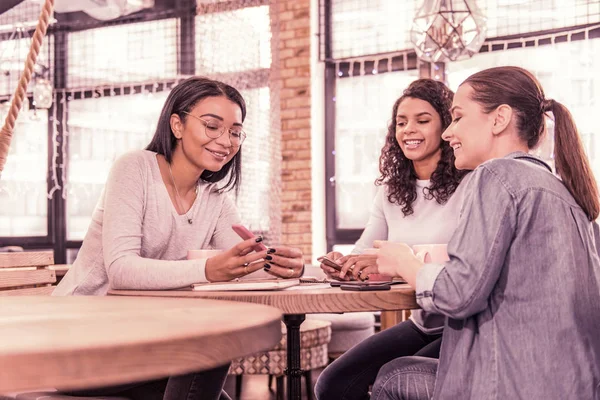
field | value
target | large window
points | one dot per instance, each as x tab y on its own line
364	41
112	79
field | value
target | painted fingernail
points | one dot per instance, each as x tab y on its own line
268	258
259	239
270	251
267	267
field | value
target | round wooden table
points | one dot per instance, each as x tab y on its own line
82	342
295	303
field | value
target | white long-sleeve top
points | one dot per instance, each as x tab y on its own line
137	240
430	223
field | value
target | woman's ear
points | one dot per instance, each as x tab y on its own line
502	118
176	126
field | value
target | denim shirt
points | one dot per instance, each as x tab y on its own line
521	290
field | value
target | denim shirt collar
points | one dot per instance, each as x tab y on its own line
519	155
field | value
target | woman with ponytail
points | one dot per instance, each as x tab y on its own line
521	290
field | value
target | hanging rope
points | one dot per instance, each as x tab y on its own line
21	91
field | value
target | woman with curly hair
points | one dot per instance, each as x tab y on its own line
417	202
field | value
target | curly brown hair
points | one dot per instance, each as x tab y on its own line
398	172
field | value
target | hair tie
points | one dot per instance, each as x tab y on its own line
547	105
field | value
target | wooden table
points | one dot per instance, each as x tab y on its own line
81	342
295	304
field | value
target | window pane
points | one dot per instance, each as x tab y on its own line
379	26
510	17
123	53
23	187
254	201
13	54
363	111
27	13
218	45
95	144
567	72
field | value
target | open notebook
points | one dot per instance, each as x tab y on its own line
247	284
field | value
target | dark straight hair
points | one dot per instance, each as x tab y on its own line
182	99
519	89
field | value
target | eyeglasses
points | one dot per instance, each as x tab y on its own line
215	131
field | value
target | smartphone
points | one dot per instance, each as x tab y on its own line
244	233
330	263
366	287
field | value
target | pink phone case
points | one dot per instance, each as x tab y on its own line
244	233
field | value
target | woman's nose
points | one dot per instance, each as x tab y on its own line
410	127
447	135
225	139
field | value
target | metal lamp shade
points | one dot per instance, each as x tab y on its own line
448	30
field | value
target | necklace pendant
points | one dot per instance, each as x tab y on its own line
189	221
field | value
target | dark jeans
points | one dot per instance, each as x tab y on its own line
349	377
406	378
205	385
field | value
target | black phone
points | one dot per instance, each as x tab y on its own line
366	287
330	263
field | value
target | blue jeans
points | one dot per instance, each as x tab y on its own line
205	385
406	378
349	377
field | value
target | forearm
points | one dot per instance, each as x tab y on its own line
137	273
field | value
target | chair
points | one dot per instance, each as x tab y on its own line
26	273
314	338
32	273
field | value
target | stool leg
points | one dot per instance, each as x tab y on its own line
308	381
270	381
279	387
238	387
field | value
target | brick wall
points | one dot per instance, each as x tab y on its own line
294	58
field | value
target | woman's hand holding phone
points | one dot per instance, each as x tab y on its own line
279	261
236	262
331	266
358	266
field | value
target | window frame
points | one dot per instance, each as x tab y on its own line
335	235
185	12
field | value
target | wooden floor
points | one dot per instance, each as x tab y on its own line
255	387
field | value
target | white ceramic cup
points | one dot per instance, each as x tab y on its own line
202	253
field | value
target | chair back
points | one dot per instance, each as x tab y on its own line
27	273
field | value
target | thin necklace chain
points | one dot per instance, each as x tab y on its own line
179	200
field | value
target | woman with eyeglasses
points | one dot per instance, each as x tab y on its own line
160	202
